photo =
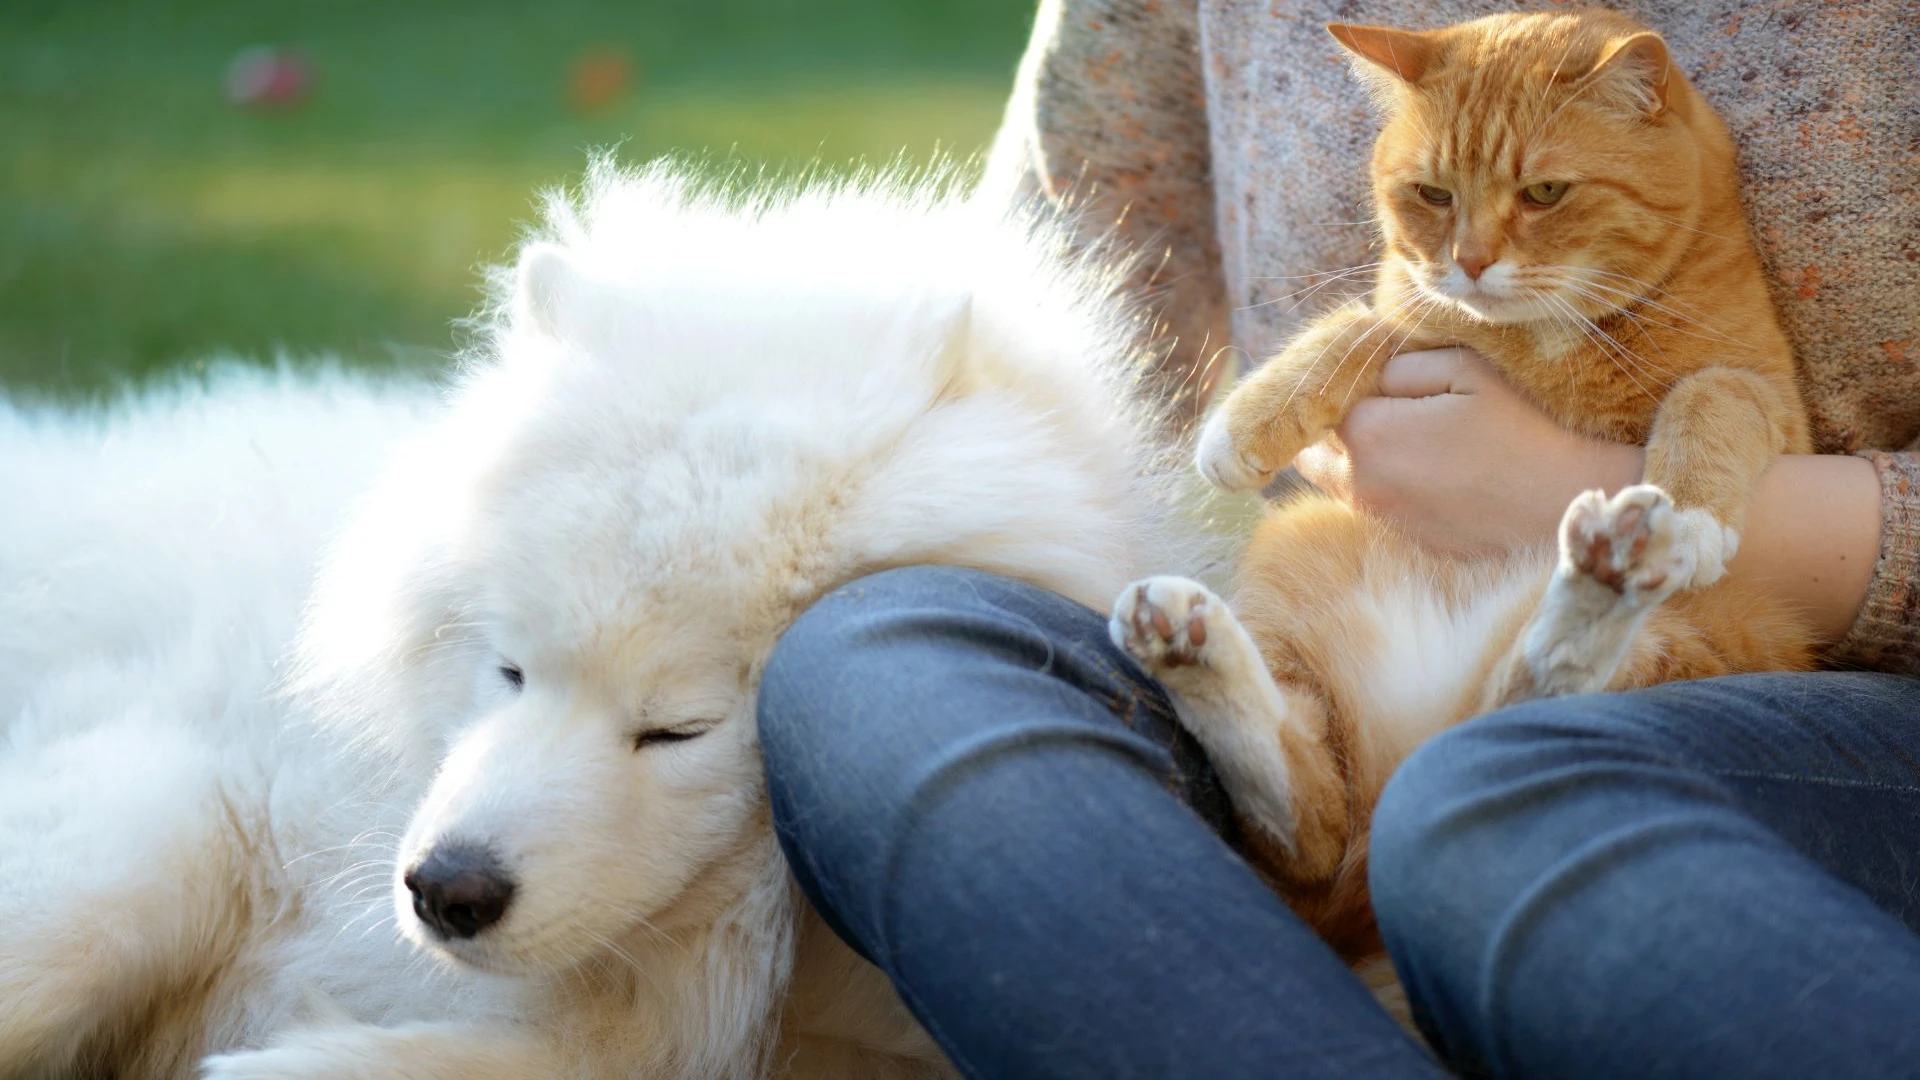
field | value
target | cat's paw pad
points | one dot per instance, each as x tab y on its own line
1223	463
1164	622
1625	544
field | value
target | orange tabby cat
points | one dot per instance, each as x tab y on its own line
1554	194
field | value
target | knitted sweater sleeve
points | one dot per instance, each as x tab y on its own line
1108	118
1886	637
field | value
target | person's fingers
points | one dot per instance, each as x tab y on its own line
1326	466
1370	422
1429	372
1389	425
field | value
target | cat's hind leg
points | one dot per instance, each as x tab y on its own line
1266	740
1620	559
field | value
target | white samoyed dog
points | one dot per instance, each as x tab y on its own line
488	802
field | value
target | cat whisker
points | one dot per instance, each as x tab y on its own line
1678	224
1576	321
1420	312
1605	298
1638	323
1622	300
1331	373
1334	374
1308	372
1309	291
1667	375
1603	339
1559	320
1640	363
1642	293
1629	318
1398	313
1359	372
1315	273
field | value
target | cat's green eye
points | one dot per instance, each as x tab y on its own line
1545	194
1438	196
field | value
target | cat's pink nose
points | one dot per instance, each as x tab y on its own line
1473	263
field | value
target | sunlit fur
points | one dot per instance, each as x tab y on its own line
690	415
1632	309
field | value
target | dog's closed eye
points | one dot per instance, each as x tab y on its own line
514	676
663	736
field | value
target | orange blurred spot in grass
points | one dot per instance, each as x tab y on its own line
599	77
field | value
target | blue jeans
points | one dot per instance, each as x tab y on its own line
1718	879
993	804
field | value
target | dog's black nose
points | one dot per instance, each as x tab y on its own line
459	890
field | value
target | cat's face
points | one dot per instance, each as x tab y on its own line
1532	168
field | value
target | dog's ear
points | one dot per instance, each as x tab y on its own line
547	282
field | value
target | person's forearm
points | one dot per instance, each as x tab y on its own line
1812	535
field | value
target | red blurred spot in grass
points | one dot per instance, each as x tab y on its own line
269	77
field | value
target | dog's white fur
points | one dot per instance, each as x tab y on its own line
691	415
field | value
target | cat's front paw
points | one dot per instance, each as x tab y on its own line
1165	622
1709	545
1224	464
1627	545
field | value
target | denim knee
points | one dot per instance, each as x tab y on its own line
892	687
1527	866
1453	806
1484	831
1425	854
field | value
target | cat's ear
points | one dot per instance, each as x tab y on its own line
1404	54
1639	68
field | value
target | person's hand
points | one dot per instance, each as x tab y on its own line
1456	457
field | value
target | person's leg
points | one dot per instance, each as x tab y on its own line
1711	879
990	802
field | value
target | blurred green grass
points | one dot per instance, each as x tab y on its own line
145	222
